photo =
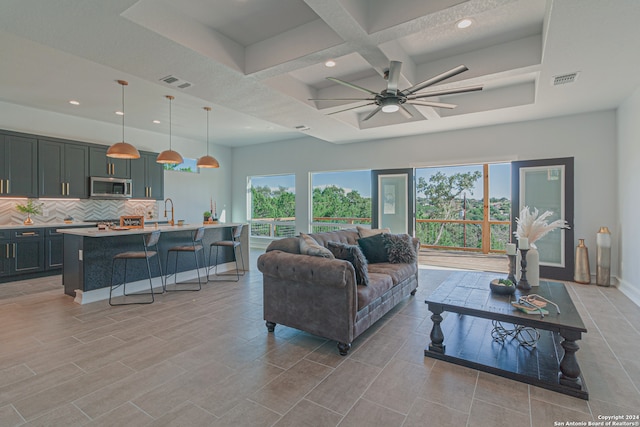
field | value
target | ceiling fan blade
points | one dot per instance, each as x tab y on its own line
446	92
351	108
352	86
340	99
393	77
431	104
437	79
405	112
373	113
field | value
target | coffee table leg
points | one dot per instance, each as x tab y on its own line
569	368
437	337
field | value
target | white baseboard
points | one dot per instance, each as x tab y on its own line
141	285
632	292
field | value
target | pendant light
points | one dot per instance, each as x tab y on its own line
169	156
207	161
123	150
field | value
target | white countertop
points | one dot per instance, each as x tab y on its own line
94	232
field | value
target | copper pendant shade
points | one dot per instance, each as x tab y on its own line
122	149
169	156
207	161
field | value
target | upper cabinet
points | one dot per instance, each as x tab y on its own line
147	177
107	167
18	166
63	169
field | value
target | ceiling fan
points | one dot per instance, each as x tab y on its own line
391	99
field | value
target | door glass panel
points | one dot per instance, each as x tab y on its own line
393	203
542	187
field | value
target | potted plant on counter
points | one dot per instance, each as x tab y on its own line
30	208
207	216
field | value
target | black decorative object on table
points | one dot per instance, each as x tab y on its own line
523	284
512	268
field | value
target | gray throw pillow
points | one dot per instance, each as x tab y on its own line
309	246
400	248
354	255
373	248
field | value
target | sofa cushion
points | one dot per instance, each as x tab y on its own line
349	236
368	232
373	248
398	272
400	248
379	283
308	246
354	255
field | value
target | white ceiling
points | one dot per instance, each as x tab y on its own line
257	62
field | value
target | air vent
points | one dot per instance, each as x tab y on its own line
176	82
302	128
564	79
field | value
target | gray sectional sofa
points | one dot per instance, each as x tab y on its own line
322	296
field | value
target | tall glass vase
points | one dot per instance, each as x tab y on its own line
533	266
603	257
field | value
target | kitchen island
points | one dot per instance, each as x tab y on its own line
88	253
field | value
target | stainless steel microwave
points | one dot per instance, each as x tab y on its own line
110	188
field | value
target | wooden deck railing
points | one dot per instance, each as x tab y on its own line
474	235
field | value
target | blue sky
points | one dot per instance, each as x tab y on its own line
499	179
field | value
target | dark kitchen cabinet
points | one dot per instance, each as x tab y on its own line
107	167
53	242
18	166
63	169
22	251
147	177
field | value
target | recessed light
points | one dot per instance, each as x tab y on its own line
74	102
330	63
119	113
464	23
156	122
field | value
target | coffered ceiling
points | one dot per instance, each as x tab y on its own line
257	62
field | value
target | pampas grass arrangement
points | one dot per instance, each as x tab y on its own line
534	226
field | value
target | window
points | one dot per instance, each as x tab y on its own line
188	165
272	205
340	199
450	207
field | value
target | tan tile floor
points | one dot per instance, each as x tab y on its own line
206	359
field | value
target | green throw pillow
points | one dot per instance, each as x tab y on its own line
374	248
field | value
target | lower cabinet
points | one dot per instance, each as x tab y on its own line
22	251
53	249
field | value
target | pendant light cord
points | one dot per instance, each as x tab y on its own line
207	131
122	113
170	99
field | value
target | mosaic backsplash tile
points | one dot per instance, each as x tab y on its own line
54	211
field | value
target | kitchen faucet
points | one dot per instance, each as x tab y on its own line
171	222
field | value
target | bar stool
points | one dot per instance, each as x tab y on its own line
148	241
194	247
234	243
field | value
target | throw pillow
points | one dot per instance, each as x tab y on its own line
309	246
373	248
354	255
400	248
368	232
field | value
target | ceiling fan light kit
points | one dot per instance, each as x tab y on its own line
169	156
122	149
390	100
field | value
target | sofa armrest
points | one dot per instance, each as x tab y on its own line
306	269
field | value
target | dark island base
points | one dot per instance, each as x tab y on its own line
468	342
87	260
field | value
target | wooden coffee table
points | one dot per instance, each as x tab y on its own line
466	338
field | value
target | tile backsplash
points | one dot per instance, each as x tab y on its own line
54	211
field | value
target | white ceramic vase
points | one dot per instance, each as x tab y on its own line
533	266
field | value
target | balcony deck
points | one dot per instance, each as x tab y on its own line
463	260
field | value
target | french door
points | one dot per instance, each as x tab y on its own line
393	200
547	185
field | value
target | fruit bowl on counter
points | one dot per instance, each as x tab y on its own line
502	286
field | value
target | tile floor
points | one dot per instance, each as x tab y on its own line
206	359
